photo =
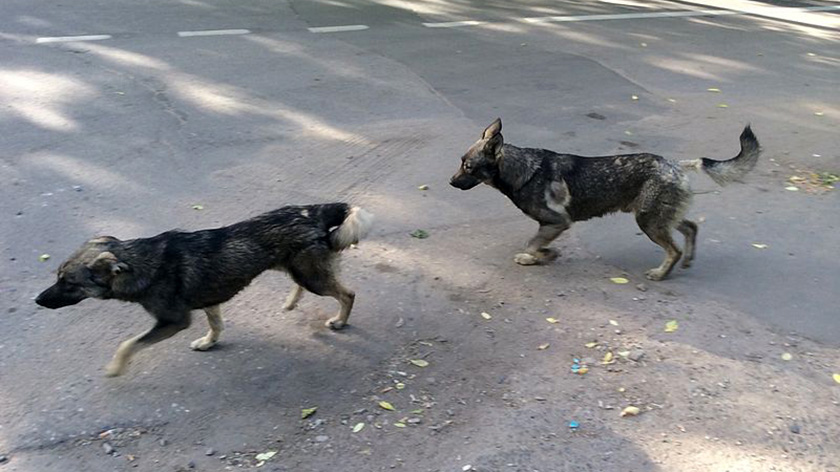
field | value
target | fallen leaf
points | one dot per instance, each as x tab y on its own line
552	320
420	362
621	389
713	90
634	97
423	187
543	347
591	345
386	406
197	207
630	411
307	412
264	456
628	133
619	280
399	425
623	353
358	427
671	326
486	315
792	188
819	113
722	105
759	246
810	54
416	412
672	100
608	358
614	322
399	385
43	257
836	378
787	356
419	234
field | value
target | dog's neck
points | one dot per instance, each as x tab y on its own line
515	169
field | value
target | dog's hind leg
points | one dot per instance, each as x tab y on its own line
536	252
214	319
293	298
163	329
320	278
659	231
689	229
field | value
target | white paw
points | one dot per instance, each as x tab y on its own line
524	258
655	274
114	369
334	323
202	344
289	306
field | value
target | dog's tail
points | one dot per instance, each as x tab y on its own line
355	226
731	170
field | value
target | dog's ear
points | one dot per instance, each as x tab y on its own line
494	129
107	262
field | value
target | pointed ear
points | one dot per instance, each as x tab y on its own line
108	262
492	130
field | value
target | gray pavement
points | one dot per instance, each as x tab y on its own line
125	135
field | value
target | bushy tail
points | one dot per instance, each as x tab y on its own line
731	170
355	226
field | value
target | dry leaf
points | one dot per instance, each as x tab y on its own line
713	89
423	187
591	345
836	378
608	358
671	326
307	412
787	356
614	322
399	385
619	280
792	188
43	257
386	406
634	97
630	411
399	425
197	207
486	315
759	246
358	427
722	105
543	347
623	353
264	456
819	113
672	100
552	320
420	362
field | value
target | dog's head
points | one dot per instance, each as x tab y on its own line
88	273
480	163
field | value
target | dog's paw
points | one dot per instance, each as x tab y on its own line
202	344
289	306
655	274
686	263
334	323
524	258
114	369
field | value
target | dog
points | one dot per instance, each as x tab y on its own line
559	189
176	272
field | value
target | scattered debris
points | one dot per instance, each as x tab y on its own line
197	207
210	452
722	105
634	97
836	378
574	425
713	89
108	448
795	429
265	456
787	356
358	427
671	326
543	347
552	320
43	257
307	412
420	362
386	406
419	234
423	187
614	322
591	345
630	411
759	246
486	315
619	280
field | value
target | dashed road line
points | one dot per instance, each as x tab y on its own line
222	32
630	16
454	24
337	29
67	39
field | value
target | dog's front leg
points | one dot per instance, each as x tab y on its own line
536	252
162	330
214	319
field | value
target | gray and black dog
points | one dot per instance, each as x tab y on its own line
559	189
176	272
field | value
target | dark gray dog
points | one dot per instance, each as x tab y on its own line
558	189
175	272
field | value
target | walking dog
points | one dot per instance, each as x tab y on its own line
176	272
559	189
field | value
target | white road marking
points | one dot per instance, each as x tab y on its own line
67	39
337	29
224	32
454	24
671	14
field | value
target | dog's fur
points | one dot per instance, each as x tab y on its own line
559	189
176	272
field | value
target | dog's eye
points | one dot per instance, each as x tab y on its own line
467	166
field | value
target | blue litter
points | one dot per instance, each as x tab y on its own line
574	425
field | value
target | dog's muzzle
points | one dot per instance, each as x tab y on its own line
463	181
54	297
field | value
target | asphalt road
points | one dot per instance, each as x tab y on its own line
242	106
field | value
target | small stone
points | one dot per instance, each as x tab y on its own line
108	448
641	287
795	429
636	355
3	459
414	420
162	442
209	452
191	464
223	457
322	438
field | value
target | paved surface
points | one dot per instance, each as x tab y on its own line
148	109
